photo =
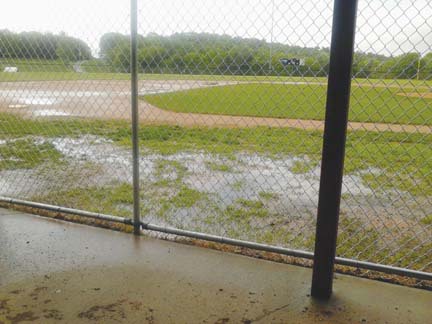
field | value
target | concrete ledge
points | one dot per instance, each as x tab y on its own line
53	271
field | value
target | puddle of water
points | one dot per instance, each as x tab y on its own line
48	97
38	101
18	106
50	113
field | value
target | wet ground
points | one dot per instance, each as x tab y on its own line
108	99
245	196
57	272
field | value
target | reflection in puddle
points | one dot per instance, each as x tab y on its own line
38	101
46	98
18	106
49	112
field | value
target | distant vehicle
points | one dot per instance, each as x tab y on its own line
292	61
10	69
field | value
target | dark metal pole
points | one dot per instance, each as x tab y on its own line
134	97
338	94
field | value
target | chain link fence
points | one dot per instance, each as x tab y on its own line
231	106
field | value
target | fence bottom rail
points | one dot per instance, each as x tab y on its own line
420	275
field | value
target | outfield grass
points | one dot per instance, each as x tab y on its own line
368	104
97	71
37	65
55	76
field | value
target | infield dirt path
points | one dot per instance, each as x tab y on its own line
154	115
110	99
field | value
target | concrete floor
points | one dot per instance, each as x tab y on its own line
53	271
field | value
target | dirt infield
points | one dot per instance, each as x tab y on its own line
154	115
110	99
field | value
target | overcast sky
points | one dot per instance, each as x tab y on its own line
384	26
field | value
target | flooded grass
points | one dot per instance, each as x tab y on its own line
254	184
403	160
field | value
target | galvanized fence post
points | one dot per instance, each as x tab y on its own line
134	100
336	119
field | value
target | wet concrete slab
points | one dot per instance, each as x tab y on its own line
53	271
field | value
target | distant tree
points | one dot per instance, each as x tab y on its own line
199	53
35	45
109	41
426	67
404	66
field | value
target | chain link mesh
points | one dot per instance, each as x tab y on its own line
232	101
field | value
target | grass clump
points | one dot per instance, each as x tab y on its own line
186	197
214	166
427	220
168	192
267	195
115	199
26	154
304	166
169	173
244	210
359	241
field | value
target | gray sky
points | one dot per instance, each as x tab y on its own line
384	26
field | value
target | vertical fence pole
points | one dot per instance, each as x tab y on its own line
336	119
134	97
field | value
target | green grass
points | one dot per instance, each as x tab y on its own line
114	199
186	197
26	154
56	76
168	192
175	169
96	66
243	210
46	71
267	195
368	104
37	65
303	166
360	241
219	167
427	220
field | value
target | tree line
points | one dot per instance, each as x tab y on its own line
35	45
204	53
194	53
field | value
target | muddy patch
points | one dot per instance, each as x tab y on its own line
112	311
22	317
